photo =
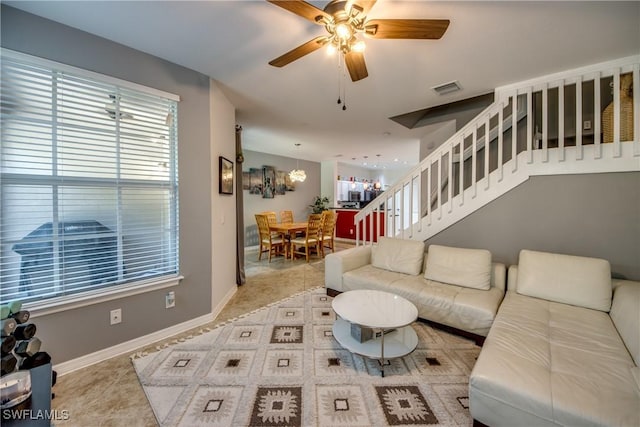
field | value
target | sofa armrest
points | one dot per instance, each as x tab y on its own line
625	312
498	276
338	263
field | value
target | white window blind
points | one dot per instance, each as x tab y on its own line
88	182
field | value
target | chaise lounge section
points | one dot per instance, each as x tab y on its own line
460	289
563	349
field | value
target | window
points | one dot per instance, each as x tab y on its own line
88	183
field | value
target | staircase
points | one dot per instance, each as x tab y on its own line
529	130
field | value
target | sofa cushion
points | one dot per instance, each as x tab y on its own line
470	268
625	313
468	309
565	365
370	277
580	281
399	255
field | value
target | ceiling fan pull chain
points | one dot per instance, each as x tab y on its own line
339	78
344	85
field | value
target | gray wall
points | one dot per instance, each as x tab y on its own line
298	201
71	334
596	215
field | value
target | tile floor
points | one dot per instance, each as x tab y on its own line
109	394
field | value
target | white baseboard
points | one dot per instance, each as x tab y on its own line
224	301
136	343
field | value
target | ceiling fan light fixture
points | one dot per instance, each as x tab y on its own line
344	31
297	175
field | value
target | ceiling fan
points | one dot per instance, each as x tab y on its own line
344	20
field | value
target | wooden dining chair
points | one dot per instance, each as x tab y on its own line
286	217
273	243
271	216
273	220
311	240
329	219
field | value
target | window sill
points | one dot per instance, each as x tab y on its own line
56	305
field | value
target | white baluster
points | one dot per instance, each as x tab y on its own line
461	170
597	118
561	149
429	195
487	143
410	213
616	113
450	179
545	123
439	187
474	160
530	124
500	138
514	132
636	109
579	150
419	182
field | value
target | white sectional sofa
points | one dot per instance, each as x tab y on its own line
458	288
564	348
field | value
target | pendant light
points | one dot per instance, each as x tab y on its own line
297	174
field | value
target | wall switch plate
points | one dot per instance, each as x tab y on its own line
170	300
115	316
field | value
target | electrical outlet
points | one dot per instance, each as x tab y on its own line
170	300
587	125
115	316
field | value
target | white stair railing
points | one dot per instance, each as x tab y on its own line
532	128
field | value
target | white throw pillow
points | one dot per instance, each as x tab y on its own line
470	268
574	280
399	255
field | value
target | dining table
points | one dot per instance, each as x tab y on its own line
288	230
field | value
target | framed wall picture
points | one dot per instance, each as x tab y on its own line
246	180
226	176
255	181
280	182
268	182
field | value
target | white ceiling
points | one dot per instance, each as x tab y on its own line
488	44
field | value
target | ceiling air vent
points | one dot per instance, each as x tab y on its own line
445	88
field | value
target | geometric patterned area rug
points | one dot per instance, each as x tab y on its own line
281	366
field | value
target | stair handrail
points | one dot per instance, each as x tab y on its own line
504	95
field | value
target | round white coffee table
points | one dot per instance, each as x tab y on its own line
387	314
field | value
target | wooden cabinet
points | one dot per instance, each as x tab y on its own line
346	228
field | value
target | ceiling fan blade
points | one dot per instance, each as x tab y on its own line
304	9
299	52
406	28
356	66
